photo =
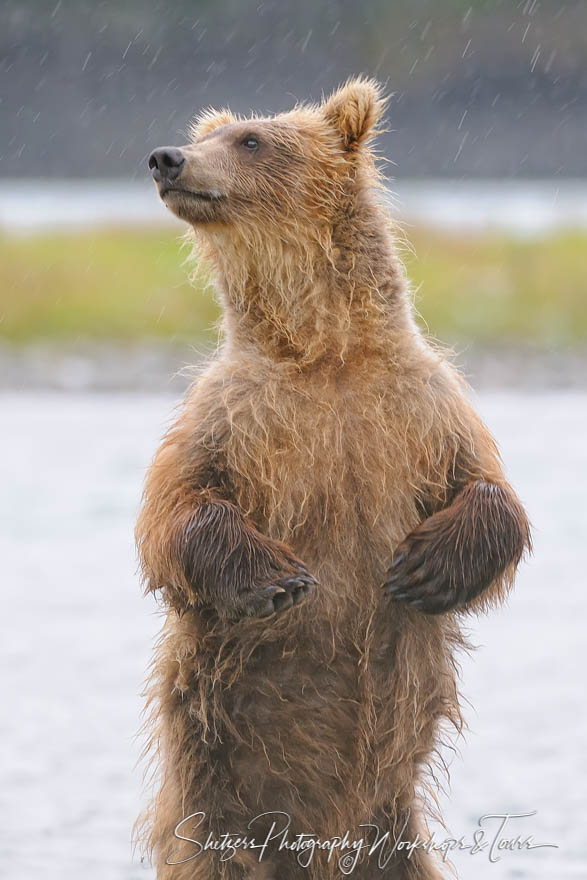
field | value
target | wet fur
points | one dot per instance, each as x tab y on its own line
326	437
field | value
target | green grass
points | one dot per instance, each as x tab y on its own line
104	285
500	290
125	285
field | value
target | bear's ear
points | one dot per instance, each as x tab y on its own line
208	120
354	110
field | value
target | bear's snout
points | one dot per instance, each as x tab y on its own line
166	164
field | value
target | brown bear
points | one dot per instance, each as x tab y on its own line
318	520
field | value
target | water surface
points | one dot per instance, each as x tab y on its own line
519	207
77	636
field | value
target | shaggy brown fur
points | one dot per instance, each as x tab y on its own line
324	432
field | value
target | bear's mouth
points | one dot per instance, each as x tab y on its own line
198	195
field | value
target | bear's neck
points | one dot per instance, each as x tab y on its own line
336	298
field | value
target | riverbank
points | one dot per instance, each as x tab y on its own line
487	290
498	274
85	366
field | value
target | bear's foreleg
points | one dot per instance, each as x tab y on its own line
197	548
221	560
456	554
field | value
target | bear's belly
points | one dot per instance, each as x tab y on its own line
277	712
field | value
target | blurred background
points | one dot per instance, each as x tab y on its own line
487	142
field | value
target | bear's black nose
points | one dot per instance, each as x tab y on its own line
166	163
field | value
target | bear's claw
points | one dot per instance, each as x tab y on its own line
283	593
415	580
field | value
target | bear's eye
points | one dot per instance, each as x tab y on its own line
251	143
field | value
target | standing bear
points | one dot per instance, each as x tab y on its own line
318	520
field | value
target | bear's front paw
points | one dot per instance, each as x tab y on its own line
282	593
421	577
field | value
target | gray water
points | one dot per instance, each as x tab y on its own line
520	207
76	637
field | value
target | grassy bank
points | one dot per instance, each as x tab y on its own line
127	286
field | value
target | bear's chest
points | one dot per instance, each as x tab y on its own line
310	464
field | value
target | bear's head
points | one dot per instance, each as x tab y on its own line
282	176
